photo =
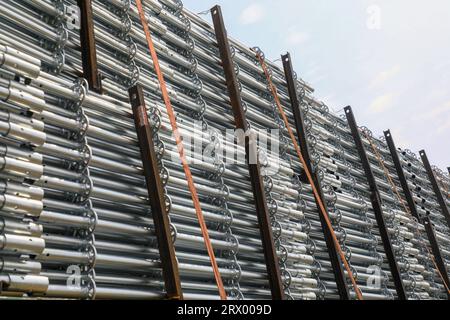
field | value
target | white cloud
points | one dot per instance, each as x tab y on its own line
330	101
444	128
295	37
438	111
440	116
438	93
252	14
316	78
434	114
381	103
401	140
442	65
384	76
314	74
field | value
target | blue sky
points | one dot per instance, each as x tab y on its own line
388	59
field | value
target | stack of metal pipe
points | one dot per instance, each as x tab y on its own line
307	204
407	236
295	249
343	178
98	242
406	233
443	180
114	161
75	219
427	206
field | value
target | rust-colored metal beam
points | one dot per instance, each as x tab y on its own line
270	254
413	208
88	50
436	188
440	262
335	260
156	194
375	199
401	175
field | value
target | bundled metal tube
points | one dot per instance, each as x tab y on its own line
75	217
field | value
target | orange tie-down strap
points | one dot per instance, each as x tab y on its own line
178	140
323	211
400	199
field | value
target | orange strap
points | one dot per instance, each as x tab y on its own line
386	172
323	211
178	139
400	199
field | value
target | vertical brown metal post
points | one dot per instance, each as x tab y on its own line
440	262
156	194
435	185
88	50
376	205
270	254
413	208
335	260
401	175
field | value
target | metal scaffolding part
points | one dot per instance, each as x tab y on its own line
301	133
156	194
375	199
431	236
76	217
262	211
436	188
416	193
88	49
430	209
